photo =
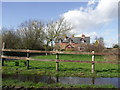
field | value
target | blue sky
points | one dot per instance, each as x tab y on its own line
90	18
17	12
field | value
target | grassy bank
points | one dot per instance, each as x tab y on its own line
65	68
29	84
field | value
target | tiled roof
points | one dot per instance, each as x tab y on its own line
73	39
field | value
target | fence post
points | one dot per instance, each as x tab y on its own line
2	59
3	47
93	64
57	63
28	55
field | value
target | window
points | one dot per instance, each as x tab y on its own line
82	40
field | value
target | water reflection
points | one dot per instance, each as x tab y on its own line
65	80
93	80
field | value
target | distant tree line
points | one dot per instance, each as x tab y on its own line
116	46
35	34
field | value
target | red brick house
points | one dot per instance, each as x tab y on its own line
72	43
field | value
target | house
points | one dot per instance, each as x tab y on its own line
72	43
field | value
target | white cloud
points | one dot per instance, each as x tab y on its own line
93	34
89	19
91	2
110	42
112	37
92	18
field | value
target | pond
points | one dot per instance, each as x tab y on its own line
65	80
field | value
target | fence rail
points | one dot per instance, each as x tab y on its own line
57	57
54	52
25	58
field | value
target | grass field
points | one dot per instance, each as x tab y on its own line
65	68
73	57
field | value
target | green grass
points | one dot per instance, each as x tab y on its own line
29	84
65	68
72	57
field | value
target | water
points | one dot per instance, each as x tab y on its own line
65	80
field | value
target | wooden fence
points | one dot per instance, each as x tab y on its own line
57	60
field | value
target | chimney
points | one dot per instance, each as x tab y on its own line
83	36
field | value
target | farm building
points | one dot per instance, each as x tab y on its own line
72	43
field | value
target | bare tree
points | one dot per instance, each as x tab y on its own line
99	45
100	40
10	38
54	30
31	34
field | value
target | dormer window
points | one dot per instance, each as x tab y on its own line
82	40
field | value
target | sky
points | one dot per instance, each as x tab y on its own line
90	18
